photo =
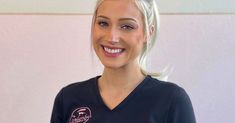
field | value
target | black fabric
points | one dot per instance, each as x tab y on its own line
152	101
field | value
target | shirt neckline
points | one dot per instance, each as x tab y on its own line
125	101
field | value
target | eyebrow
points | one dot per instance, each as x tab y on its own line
121	19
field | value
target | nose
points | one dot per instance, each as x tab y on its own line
113	36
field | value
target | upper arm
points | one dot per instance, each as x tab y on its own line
181	110
57	112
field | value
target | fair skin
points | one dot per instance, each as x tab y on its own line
118	40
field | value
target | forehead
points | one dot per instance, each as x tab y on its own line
119	9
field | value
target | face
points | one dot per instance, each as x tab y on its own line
118	33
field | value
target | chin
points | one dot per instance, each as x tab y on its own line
112	66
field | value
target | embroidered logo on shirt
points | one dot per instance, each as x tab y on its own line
80	115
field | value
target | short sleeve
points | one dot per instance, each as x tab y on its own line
181	110
57	112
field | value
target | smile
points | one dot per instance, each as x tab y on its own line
114	51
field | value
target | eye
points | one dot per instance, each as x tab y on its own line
103	23
127	27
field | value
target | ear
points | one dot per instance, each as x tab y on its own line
151	30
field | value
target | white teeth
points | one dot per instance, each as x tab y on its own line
112	50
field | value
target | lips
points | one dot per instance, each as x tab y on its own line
112	51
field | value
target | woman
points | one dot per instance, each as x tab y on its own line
122	33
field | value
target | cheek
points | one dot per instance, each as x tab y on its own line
94	33
97	34
141	37
95	38
137	44
136	36
136	40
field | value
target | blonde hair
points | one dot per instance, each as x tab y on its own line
150	13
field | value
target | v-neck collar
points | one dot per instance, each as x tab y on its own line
124	101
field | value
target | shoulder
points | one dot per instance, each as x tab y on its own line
81	87
166	91
81	84
158	85
175	100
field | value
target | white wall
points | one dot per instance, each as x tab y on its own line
86	6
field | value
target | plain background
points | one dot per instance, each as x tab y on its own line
45	46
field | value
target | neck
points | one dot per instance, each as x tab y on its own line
122	78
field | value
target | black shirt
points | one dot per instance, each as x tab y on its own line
152	101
